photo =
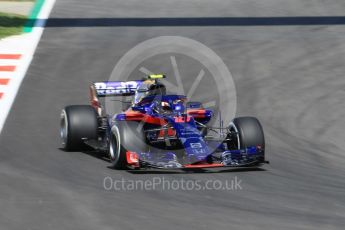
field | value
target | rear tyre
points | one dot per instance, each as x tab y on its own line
78	122
250	133
125	136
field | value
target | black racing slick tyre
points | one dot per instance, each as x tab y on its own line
250	132
125	136
78	123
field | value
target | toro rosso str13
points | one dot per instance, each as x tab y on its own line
158	130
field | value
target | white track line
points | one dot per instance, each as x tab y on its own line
25	45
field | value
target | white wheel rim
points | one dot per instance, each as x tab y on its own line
63	128
114	153
232	125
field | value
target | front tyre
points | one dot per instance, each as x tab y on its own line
125	136
249	133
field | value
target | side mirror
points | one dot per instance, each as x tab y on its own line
178	108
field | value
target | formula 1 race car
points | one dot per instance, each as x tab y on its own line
158	130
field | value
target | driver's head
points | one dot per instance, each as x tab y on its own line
165	106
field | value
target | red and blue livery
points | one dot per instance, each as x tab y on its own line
159	130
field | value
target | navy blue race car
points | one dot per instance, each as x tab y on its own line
158	130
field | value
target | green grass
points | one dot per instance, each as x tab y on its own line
11	24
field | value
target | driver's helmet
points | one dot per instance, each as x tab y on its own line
166	106
147	88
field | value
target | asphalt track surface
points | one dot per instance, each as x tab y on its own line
291	77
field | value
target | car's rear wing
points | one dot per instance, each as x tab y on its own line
111	88
116	88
